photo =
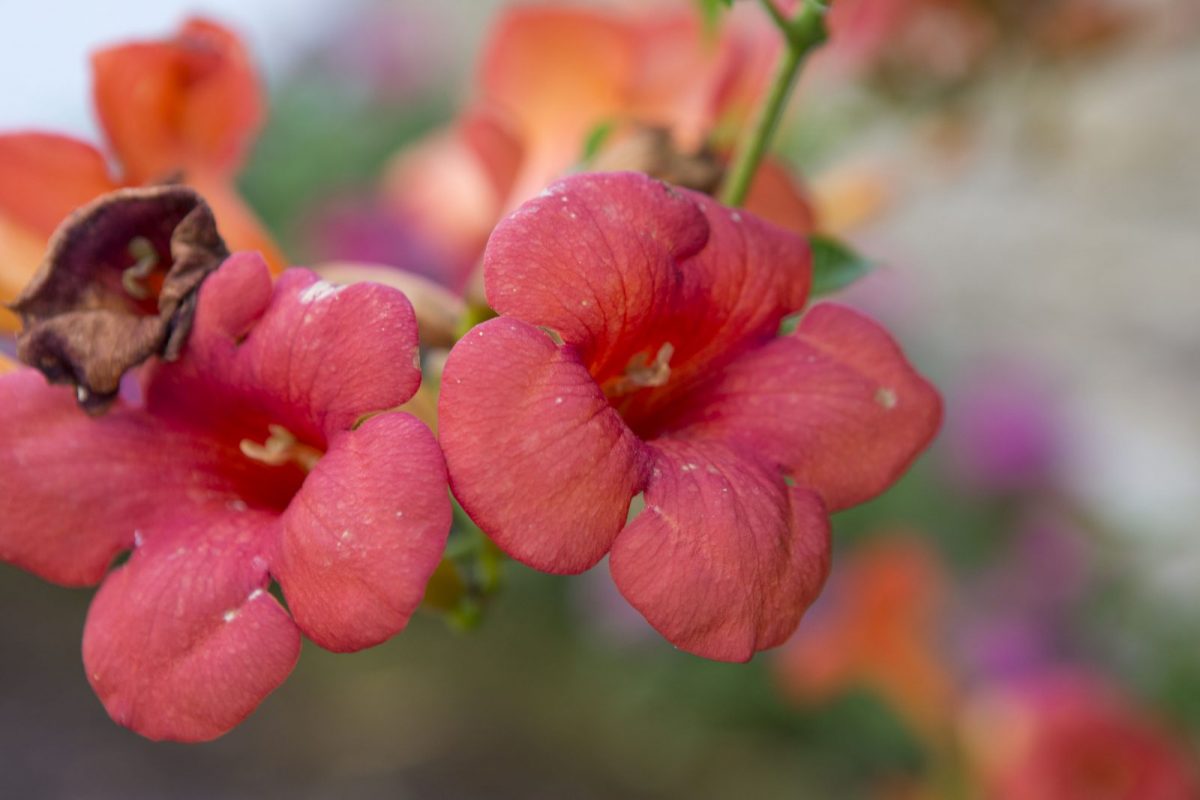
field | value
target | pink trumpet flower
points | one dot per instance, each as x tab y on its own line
265	452
637	351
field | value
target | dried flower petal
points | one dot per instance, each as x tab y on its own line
118	287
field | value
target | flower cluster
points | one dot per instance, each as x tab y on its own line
224	452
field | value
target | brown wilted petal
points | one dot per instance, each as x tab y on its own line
118	286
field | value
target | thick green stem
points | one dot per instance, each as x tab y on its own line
801	34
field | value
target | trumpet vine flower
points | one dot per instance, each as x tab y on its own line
637	352
261	449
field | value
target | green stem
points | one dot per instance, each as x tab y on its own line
802	34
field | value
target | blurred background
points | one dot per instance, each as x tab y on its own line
1026	178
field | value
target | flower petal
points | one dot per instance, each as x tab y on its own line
452	187
613	263
748	277
725	557
779	198
184	641
597	259
364	534
536	454
307	355
836	404
192	101
47	177
82	323
556	72
78	490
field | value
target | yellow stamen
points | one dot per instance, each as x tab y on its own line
640	374
132	279
281	448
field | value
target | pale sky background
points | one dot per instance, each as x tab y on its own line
44	44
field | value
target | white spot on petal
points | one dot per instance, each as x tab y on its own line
321	290
886	398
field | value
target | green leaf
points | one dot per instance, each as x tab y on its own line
835	266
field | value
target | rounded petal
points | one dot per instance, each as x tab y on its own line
749	276
78	490
596	258
836	404
613	263
304	354
364	534
537	456
184	641
726	557
192	101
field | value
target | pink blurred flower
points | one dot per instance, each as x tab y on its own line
1070	736
1003	431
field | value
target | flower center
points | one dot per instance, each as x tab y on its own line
281	448
642	373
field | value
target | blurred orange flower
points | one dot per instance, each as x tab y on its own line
187	107
553	75
878	630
